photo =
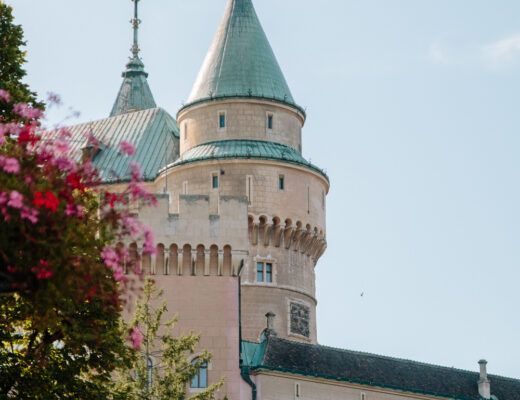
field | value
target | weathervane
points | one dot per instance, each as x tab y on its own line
135	23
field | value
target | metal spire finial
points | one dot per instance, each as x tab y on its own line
135	23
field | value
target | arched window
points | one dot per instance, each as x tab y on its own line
200	379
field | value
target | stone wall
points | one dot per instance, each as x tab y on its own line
245	119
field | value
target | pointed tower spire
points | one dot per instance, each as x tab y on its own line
240	61
135	94
135	23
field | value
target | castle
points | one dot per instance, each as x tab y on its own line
241	224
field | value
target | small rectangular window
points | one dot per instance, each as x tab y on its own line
222	120
186	131
269	121
297	390
281	182
249	189
260	272
363	396
269	272
214	181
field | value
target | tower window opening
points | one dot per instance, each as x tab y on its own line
186	131
297	390
214	181
264	272
269	272
363	396
270	121
281	183
200	379
260	272
222	120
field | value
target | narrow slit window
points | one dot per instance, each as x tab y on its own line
260	272
281	182
222	120
269	272
214	181
297	390
270	121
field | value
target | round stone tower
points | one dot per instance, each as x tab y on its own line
240	135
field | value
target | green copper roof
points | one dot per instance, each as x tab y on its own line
244	149
153	132
240	61
135	94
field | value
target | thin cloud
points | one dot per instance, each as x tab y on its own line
497	55
502	53
440	54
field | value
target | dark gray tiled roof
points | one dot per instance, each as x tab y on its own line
374	370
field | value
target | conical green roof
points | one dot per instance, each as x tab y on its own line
240	61
135	94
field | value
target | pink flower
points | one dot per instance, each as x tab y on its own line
135	171
25	111
29	214
53	98
149	246
3	198
136	338
15	199
110	257
5	96
10	165
131	225
127	147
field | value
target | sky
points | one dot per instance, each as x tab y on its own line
413	112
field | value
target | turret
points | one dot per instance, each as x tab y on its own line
134	94
241	136
240	92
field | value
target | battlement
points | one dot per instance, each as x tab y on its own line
195	241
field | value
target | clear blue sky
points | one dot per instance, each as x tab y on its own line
413	109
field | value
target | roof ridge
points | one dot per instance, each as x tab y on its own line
391	358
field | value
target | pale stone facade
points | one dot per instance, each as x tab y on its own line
240	226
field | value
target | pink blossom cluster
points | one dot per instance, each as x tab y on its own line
15	200
41	271
5	96
127	147
136	337
25	111
9	165
114	259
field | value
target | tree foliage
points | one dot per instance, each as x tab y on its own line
171	370
60	278
12	58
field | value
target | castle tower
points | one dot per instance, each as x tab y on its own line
240	135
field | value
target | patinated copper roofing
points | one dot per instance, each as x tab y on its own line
373	370
134	94
240	61
153	132
244	149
